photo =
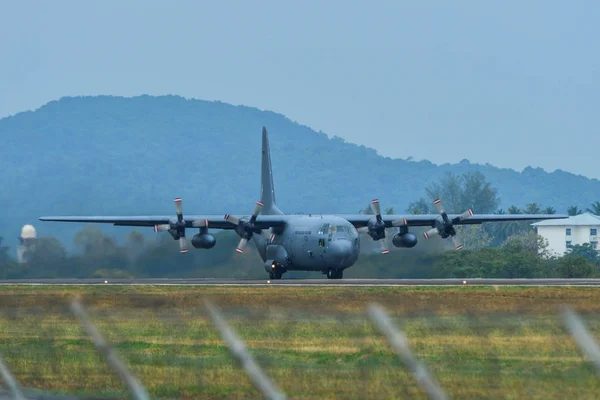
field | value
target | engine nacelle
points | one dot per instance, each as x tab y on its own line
376	230
203	241
277	255
405	240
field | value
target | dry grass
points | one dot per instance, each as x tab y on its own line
315	342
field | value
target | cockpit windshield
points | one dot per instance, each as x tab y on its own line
323	229
345	229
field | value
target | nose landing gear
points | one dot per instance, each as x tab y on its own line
275	275
335	273
276	271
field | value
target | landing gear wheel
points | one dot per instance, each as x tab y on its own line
275	275
335	274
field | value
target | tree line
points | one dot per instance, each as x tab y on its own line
493	250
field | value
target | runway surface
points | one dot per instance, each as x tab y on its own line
310	282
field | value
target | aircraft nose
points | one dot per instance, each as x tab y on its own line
340	252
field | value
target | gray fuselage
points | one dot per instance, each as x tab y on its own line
311	243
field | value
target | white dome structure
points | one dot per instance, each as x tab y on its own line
27	242
28	232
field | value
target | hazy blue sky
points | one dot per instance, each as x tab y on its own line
512	83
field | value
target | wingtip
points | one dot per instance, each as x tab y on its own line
49	218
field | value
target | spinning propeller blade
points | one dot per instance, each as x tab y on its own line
384	246
200	223
183	245
400	222
376	209
438	204
257	209
178	208
445	227
430	233
181	226
177	228
232	219
377	230
465	215
245	229
162	227
457	243
268	234
240	248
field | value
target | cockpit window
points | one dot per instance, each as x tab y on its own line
346	229
324	229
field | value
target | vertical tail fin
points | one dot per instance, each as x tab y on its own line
267	189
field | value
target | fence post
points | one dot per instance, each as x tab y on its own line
582	336
11	382
399	343
104	348
238	349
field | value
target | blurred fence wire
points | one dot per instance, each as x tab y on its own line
74	350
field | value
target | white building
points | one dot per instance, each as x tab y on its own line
560	233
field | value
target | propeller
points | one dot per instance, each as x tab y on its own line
376	228
244	229
200	223
269	235
445	226
380	225
176	228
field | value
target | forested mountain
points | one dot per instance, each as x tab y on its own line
114	155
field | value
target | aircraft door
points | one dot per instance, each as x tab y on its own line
322	249
323	239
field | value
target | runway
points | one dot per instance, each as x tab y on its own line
309	282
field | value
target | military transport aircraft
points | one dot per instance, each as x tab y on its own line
314	242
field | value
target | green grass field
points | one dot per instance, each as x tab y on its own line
316	343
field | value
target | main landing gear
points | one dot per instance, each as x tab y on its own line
276	271
335	273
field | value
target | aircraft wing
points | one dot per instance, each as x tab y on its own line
360	220
192	221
